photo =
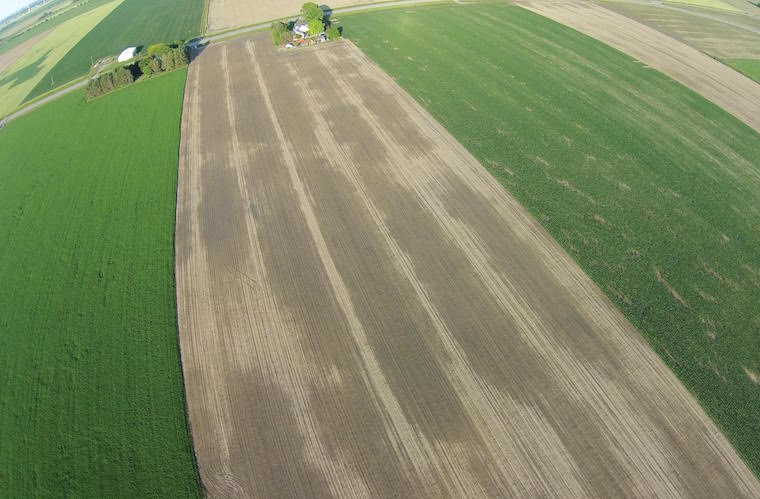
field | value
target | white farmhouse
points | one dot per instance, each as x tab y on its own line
127	54
301	29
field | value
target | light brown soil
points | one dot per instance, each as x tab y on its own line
727	88
225	14
364	311
8	58
717	33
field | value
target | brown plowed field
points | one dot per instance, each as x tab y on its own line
225	14
715	81
364	311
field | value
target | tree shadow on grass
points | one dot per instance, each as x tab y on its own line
26	73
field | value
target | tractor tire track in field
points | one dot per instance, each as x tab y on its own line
364	311
710	78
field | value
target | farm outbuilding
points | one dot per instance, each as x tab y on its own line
127	54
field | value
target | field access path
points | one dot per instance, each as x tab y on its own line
365	311
712	79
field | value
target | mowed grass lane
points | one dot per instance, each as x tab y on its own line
133	23
91	391
651	188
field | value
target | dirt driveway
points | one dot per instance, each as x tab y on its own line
364	311
727	88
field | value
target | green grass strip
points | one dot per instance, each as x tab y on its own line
748	67
91	390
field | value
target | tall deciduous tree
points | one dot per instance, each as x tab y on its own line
180	57
167	61
145	66
123	77
333	33
280	33
155	65
158	49
316	26
311	11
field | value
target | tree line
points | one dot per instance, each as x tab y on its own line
158	58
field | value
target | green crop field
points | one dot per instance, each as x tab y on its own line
651	188
133	23
748	67
91	390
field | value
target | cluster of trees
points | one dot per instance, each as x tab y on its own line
314	17
332	32
281	33
159	58
108	82
162	58
312	14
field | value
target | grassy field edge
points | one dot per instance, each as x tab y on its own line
186	408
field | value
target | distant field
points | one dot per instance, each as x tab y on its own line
8	58
709	4
748	67
36	15
10	40
133	23
720	34
91	392
32	68
654	190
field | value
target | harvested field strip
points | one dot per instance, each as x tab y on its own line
91	394
628	170
365	311
719	35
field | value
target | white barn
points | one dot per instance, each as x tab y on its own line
127	54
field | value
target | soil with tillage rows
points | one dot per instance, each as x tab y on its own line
365	311
712	79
